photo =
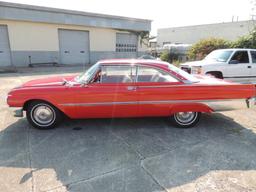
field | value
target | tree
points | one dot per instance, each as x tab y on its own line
247	41
165	56
199	50
170	56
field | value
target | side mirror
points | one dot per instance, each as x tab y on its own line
233	62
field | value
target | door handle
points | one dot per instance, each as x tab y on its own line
131	88
249	67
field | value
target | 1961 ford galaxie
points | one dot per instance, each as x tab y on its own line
128	88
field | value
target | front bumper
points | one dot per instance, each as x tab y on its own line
17	111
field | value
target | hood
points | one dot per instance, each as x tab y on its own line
50	81
199	63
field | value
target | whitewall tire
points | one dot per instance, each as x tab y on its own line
43	115
185	119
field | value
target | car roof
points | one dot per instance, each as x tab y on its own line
134	61
147	62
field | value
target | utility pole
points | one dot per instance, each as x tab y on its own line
253	13
253	9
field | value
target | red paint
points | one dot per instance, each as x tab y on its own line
53	91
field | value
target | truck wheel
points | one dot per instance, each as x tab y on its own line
185	119
216	74
42	115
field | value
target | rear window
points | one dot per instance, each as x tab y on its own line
147	74
253	54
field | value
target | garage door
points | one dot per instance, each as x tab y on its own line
5	55
126	45
74	47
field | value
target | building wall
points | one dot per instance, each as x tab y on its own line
41	42
192	34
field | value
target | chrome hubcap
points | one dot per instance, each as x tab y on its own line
186	117
43	115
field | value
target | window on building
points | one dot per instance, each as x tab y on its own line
166	42
126	42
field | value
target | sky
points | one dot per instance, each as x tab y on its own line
164	13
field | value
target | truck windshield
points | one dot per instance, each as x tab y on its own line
219	55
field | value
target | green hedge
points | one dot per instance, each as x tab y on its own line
199	50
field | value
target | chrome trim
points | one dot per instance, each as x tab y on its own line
99	104
131	88
215	105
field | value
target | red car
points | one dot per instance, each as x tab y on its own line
128	88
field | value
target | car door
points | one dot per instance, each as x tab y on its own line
155	88
121	79
238	68
253	67
111	94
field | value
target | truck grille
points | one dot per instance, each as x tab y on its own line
188	70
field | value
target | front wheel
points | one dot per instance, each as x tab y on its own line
42	115
185	119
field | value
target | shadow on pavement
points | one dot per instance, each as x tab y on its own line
144	154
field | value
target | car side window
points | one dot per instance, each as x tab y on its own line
241	57
147	74
253	54
117	74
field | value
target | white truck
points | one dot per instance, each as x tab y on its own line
238	65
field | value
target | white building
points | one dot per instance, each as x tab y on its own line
46	35
192	34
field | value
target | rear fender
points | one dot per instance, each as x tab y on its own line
195	107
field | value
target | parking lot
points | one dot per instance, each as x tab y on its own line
144	154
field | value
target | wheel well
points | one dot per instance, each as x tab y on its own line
217	74
26	104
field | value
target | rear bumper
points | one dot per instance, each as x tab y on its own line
251	103
17	111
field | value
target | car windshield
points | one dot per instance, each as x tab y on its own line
86	76
182	73
219	55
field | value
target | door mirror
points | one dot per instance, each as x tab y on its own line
233	62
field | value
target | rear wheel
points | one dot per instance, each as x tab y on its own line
185	119
42	115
